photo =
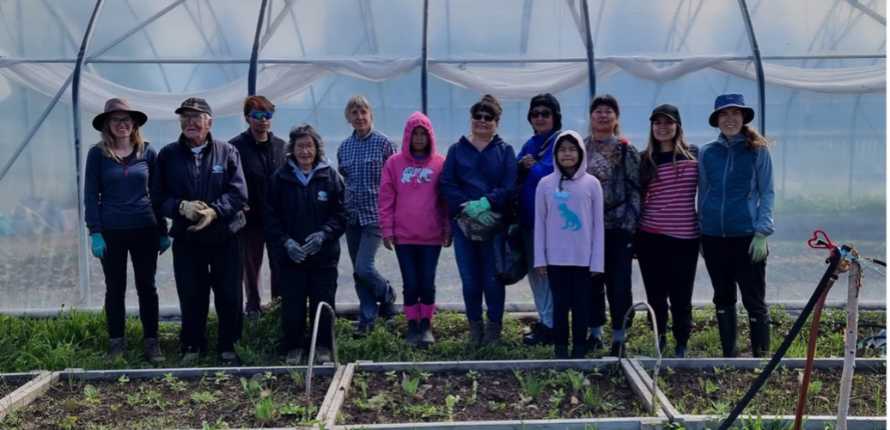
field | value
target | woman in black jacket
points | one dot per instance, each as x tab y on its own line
305	218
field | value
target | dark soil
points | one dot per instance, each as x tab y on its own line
7	386
715	391
382	398
215	399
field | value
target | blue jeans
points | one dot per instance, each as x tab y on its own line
370	286
418	265
476	265
539	284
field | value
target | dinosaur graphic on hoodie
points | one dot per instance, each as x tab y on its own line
569	215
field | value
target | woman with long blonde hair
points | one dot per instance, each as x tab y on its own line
121	221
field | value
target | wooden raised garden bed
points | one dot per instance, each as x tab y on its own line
178	398
531	394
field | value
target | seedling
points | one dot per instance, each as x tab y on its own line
531	384
123	380
298	377
266	410
252	388
555	401
219	424
91	394
410	384
175	384
576	380
450	402
203	397
221	377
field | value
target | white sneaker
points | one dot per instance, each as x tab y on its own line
323	355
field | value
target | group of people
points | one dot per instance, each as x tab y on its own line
584	206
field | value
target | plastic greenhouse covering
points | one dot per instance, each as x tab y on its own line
823	104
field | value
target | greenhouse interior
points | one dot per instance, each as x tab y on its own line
814	72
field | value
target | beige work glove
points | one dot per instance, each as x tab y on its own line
189	209
207	215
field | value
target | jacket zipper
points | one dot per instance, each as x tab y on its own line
723	196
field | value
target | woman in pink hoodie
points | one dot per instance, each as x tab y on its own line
414	221
569	240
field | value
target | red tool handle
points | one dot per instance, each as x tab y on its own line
823	242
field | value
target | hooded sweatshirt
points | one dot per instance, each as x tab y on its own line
411	209
569	216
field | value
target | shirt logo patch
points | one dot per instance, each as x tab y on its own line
216	168
322	196
419	175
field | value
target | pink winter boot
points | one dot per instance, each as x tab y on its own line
412	315
426	324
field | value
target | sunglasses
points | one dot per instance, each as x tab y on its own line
483	117
543	113
260	115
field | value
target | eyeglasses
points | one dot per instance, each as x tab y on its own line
483	117
543	113
260	115
121	120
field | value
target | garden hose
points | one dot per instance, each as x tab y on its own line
808	367
828	279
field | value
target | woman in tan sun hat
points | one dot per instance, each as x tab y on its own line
121	220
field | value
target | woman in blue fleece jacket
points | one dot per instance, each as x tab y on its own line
735	206
477	183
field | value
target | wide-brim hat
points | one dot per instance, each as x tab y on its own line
118	105
725	101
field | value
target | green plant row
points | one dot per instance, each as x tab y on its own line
77	339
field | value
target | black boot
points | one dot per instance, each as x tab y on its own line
476	329
540	334
413	336
579	350
561	352
726	322
759	335
426	333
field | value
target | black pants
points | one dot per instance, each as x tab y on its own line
616	282
570	286
298	283
198	269
729	265
142	246
668	267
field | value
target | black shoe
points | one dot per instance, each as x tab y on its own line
426	333
387	310
229	358
594	343
615	350
540	334
363	330
561	352
492	332
412	337
728	326
579	351
680	351
476	329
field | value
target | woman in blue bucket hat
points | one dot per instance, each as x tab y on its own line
735	207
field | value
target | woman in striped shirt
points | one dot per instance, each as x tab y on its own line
668	238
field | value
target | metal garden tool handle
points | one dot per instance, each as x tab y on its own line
647	308
321	306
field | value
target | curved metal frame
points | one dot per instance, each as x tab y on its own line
254	52
758	65
627	315
75	108
588	42
424	80
321	306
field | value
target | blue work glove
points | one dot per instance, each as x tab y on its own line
296	253
313	243
476	207
758	249
97	245
164	244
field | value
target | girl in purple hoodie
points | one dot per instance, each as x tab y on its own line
414	221
569	240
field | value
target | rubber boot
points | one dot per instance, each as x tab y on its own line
476	328
759	335
492	332
412	337
681	330
426	333
728	326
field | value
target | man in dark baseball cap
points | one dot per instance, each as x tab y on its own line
200	186
196	104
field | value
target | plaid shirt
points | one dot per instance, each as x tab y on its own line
360	161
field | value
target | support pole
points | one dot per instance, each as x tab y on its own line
254	52
591	69
758	65
424	54
75	109
843	402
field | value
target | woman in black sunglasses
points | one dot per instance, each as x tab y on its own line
477	182
535	162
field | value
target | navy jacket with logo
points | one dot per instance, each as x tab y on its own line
294	211
219	182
